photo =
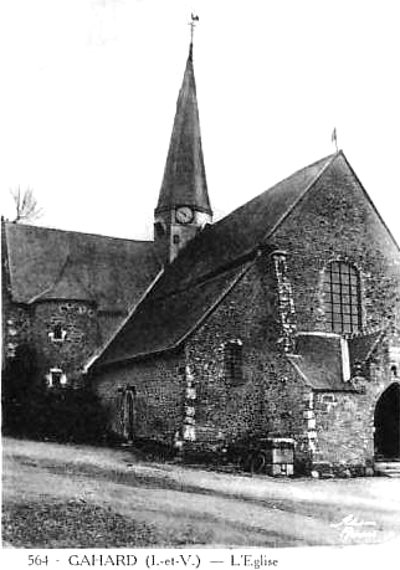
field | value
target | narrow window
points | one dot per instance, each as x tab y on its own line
57	334
57	378
233	357
342	297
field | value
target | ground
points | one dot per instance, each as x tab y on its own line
59	496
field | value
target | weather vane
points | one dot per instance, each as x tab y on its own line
193	22
334	139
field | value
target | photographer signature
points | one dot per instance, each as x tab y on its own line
353	529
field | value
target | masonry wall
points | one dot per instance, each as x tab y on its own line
15	318
78	322
344	429
159	389
334	220
16	329
271	400
345	421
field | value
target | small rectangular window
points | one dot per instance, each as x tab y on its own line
58	334
56	378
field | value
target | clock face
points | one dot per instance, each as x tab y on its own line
184	215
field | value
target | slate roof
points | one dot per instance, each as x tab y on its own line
361	347
243	230
161	323
184	181
319	362
196	279
67	287
111	272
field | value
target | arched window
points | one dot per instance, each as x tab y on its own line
342	297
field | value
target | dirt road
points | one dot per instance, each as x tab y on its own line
64	495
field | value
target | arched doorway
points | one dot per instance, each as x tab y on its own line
387	424
129	413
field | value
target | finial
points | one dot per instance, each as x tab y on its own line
193	21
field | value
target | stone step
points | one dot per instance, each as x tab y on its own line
388	468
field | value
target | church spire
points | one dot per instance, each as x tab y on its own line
183	205
184	179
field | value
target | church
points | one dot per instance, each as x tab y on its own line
277	324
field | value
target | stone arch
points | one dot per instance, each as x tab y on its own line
387	423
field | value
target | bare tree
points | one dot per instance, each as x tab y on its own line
26	205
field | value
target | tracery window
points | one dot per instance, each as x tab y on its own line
342	297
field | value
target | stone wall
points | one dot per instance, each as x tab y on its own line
271	400
336	220
15	318
344	428
16	328
159	388
78	323
345	421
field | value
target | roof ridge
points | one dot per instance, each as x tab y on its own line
177	343
371	202
75	232
330	159
92	360
211	275
326	158
220	226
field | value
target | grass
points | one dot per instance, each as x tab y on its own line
74	524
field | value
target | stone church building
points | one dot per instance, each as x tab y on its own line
276	323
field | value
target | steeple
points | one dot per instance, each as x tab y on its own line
183	205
